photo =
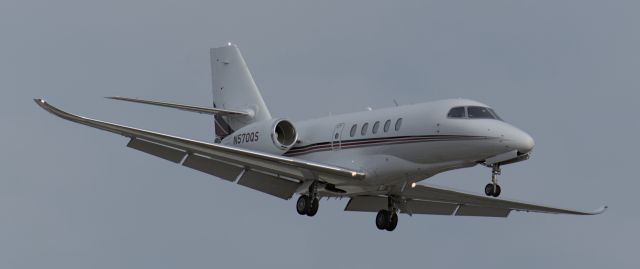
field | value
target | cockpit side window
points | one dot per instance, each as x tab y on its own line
495	114
457	112
478	112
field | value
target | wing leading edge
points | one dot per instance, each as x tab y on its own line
276	175
444	201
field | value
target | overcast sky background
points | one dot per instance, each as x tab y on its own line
71	196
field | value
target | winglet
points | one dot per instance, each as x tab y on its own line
41	102
599	210
55	111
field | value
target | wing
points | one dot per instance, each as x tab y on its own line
198	109
443	201
276	175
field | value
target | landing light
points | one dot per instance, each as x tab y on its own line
413	185
353	174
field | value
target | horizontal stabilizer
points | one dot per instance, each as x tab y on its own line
197	109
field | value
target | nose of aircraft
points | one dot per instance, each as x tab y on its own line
522	141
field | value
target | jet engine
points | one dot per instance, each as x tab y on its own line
275	136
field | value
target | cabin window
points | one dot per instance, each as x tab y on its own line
375	128
365	127
398	124
457	112
353	130
478	112
386	125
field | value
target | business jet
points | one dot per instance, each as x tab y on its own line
374	158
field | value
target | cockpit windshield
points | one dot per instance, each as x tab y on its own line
473	112
477	112
457	112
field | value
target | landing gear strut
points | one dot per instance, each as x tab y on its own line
387	219
493	189
309	204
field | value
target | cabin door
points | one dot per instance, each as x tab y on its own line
336	137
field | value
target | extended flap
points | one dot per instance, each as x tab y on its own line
479	211
164	152
269	184
212	167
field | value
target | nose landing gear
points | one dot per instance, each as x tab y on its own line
493	189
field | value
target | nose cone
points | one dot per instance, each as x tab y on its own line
523	142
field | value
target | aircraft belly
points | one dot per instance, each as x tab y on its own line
385	169
397	164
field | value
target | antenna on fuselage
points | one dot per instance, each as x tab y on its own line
395	102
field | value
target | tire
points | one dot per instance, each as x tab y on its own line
382	219
302	204
498	191
314	205
488	190
393	222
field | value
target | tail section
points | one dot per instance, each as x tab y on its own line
234	89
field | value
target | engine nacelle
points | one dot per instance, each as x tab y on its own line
275	136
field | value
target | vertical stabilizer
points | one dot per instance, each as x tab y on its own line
234	88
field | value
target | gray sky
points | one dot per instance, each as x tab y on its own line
75	197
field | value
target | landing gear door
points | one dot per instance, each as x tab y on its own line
336	137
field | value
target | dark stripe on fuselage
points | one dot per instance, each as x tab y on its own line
357	143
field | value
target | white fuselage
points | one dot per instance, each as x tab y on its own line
426	142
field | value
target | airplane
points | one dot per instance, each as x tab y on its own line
375	158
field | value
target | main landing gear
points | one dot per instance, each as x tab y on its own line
387	219
493	189
308	204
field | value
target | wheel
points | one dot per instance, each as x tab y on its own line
497	192
488	190
302	204
382	219
393	222
313	207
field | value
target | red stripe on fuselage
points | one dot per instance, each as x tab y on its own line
349	144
